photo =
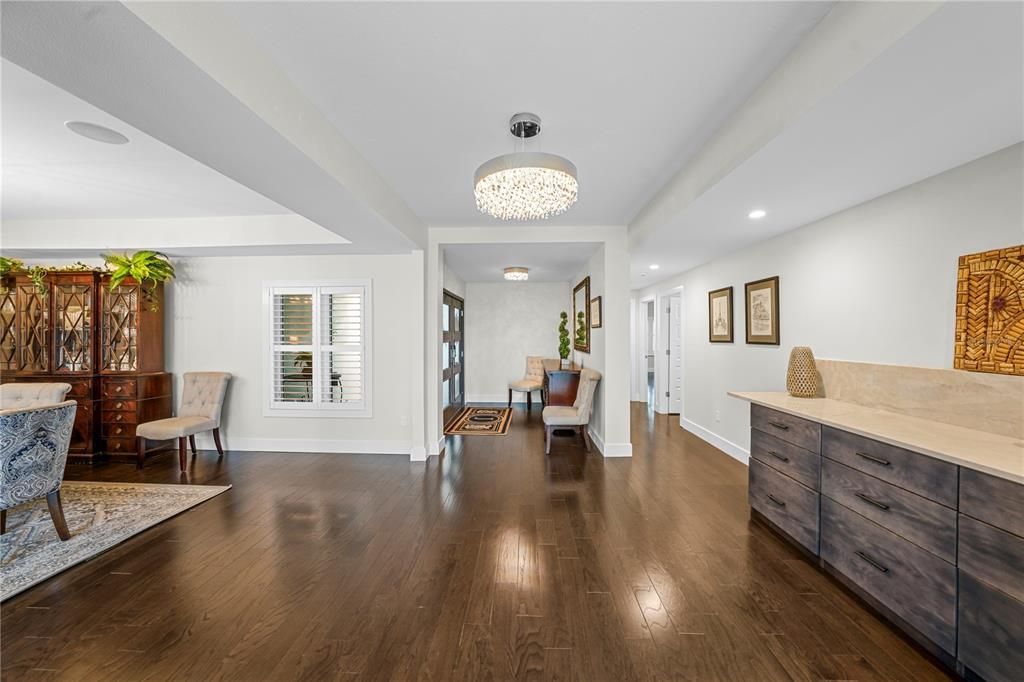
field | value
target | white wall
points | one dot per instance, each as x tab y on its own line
874	283
215	322
595	359
453	283
506	322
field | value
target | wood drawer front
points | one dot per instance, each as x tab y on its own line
925	523
119	388
801	432
928	477
991	635
120	405
992	554
114	417
794	461
120	445
119	430
995	501
914	584
791	506
80	388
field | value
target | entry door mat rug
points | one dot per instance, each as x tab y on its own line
99	516
480	421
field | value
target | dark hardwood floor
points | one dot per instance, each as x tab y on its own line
492	562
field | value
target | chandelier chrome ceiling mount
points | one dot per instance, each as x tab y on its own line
525	185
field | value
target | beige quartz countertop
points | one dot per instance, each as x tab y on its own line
990	453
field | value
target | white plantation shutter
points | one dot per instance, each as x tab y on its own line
319	348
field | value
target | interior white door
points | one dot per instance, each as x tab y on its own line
675	356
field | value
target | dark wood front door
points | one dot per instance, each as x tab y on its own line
453	355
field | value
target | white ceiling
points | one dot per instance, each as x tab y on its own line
549	262
950	92
50	172
626	90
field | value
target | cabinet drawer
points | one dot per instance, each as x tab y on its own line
914	584
925	523
794	461
120	405
995	501
801	432
791	506
119	430
114	417
991	635
120	445
119	388
931	478
995	556
80	388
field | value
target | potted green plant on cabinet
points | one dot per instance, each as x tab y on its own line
563	339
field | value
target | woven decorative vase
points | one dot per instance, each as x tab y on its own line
802	375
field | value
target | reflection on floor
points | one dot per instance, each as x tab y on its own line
491	562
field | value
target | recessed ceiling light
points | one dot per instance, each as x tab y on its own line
757	214
654	266
96	132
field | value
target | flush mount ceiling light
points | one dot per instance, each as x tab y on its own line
757	214
96	132
525	185
654	266
517	274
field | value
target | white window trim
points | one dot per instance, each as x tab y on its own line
317	411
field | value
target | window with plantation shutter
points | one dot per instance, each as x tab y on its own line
318	348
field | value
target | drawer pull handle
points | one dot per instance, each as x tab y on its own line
872	458
118	405
779	425
870	500
776	500
871	561
118	388
781	458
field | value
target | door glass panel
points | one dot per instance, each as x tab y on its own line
445	316
73	332
120	329
446	396
33	328
445	356
458	387
8	335
458	352
458	319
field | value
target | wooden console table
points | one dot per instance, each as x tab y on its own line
560	384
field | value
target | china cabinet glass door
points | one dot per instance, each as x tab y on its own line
73	333
120	328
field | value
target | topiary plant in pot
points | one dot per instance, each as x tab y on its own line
563	338
148	268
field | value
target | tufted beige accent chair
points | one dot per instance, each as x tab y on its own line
202	397
533	381
26	396
576	417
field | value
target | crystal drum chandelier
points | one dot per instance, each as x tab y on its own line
525	185
517	274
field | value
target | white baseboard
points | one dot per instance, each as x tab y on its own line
349	447
726	446
417	453
610	449
436	448
502	398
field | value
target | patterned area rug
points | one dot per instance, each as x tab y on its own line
99	515
480	421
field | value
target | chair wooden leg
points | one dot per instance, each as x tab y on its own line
192	443
547	439
3	521
583	435
182	454
529	400
510	397
140	452
57	514
216	440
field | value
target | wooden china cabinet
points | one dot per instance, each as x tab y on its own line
108	344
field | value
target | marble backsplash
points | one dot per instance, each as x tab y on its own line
974	400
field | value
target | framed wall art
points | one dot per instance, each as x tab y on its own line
595	312
989	334
720	315
761	299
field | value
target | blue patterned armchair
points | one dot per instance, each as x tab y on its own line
33	449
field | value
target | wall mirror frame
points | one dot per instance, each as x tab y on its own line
581	305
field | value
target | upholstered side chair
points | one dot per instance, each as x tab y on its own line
575	417
533	381
35	449
202	399
21	396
